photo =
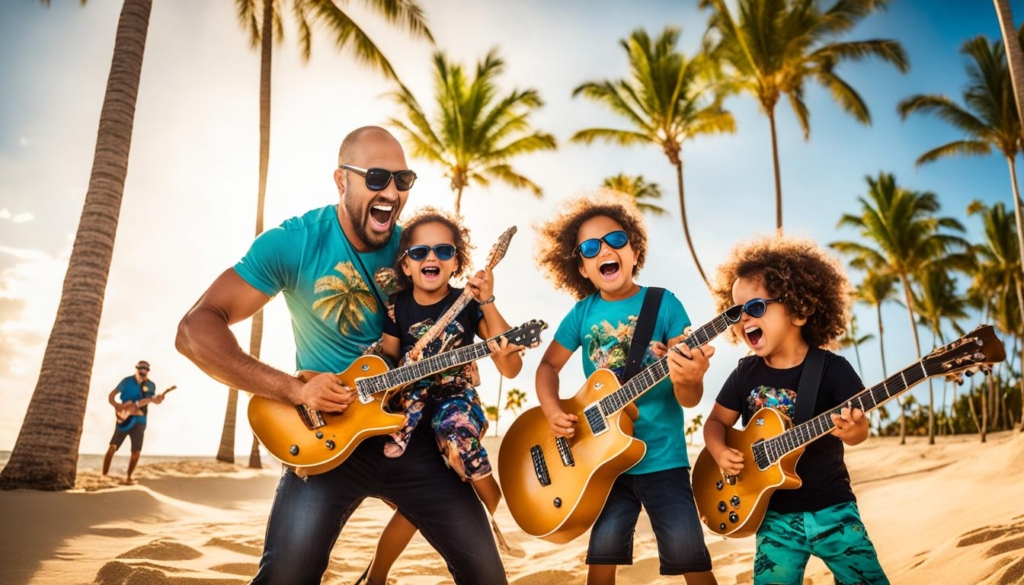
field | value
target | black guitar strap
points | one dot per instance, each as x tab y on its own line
643	331
810	380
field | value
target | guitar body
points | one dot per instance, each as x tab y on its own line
737	509
284	432
570	504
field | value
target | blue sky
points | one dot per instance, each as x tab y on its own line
189	201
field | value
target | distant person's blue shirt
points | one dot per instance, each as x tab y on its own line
131	391
604	329
333	292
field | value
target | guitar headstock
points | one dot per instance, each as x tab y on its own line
976	351
526	335
500	247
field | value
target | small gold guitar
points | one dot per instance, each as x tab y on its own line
314	442
135	408
735	505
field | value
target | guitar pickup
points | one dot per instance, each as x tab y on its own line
312	418
540	466
595	419
565	452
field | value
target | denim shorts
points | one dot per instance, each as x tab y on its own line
668	499
836	535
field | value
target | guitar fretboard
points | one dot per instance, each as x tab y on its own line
656	372
417	371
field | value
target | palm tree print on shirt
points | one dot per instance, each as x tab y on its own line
348	296
608	345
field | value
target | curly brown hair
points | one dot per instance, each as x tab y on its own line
812	284
556	238
460	237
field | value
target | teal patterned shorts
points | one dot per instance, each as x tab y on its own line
836	535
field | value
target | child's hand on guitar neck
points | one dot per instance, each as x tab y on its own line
851	425
324	392
501	347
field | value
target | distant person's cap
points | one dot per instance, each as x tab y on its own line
143	364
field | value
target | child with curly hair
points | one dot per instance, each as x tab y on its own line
593	249
434	248
793	297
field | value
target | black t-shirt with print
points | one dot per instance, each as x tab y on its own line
754	385
408	321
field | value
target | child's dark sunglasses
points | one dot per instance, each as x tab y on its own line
754	307
377	179
590	248
420	253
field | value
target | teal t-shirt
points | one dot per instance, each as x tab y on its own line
131	391
603	329
334	293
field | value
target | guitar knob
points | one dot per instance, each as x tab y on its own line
319	434
734	517
721	506
735	501
329	444
719	485
722	526
557	502
294	450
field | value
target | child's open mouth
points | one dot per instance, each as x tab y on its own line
431	272
380	216
609	270
754	336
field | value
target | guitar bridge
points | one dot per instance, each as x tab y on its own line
565	452
540	466
312	418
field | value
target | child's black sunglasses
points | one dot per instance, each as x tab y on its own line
754	307
590	248
377	179
420	253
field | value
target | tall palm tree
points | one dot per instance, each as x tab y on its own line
262	21
775	47
642	192
989	120
999	279
668	99
937	299
908	238
475	131
876	289
854	340
45	455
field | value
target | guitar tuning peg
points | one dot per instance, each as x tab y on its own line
969	373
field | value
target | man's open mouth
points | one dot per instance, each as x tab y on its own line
381	214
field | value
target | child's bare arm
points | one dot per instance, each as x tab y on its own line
390	346
686	369
506	356
721	418
562	424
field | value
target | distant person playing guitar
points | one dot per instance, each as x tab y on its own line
795	297
332	265
434	248
593	249
131	390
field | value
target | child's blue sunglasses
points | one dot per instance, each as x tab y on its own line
420	253
754	307
590	248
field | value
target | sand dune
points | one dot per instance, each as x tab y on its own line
950	513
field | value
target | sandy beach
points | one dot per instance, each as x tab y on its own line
951	513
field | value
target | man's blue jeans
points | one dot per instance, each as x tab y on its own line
307	516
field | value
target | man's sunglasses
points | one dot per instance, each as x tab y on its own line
420	253
590	248
754	307
377	179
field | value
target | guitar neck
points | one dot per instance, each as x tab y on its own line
866	400
410	373
658	371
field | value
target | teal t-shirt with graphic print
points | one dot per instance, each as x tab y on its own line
603	330
333	292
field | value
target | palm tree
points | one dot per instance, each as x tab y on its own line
776	46
694	426
475	132
989	120
262	32
999	279
1015	58
515	400
642	192
938	300
909	237
668	100
45	455
492	413
876	289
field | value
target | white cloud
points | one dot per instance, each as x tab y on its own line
22	217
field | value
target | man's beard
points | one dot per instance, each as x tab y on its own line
361	220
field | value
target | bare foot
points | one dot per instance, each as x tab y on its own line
128	481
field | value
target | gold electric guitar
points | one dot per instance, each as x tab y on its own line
734	506
314	442
135	408
555	487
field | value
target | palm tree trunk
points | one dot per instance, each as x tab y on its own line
778	172
686	225
45	455
885	374
458	202
917	346
226	450
497	403
1015	57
